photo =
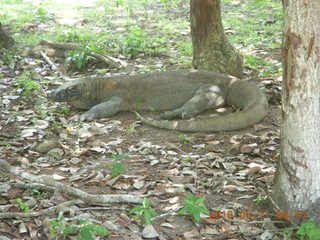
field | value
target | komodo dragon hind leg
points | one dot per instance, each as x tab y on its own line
206	97
102	110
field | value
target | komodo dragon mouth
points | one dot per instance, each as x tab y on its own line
182	94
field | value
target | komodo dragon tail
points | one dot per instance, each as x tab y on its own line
243	95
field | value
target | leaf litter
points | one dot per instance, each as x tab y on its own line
230	170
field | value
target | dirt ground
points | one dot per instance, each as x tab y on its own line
232	170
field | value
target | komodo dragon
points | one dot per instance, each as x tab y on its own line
183	94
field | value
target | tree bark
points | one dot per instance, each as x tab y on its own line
297	181
211	49
5	40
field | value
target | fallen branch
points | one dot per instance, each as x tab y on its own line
45	212
72	46
74	192
35	186
53	66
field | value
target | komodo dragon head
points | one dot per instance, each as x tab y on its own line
75	93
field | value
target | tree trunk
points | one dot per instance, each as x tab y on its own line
211	49
5	40
297	180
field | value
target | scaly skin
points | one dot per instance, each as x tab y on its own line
183	94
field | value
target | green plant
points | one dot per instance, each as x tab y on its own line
192	206
138	104
144	212
80	57
24	207
26	83
260	199
285	234
188	159
8	56
185	138
41	13
56	125
135	41
309	231
62	111
41	110
85	230
132	128
37	194
117	168
119	3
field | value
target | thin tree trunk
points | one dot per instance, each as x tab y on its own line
297	181
5	40
211	49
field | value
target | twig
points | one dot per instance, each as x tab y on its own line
74	192
72	46
53	66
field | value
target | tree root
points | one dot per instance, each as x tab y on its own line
70	191
45	212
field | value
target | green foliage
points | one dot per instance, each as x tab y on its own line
80	57
185	48
138	104
37	194
8	56
41	111
23	206
119	3
117	168
85	230
185	138
41	13
144	212
192	206
26	83
62	111
132	128
266	67
56	125
135	41
260	200
309	231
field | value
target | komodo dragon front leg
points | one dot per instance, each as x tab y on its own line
208	96
102	110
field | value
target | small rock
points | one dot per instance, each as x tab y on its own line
56	153
31	203
46	203
149	232
46	146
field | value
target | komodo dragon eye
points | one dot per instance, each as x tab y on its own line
72	91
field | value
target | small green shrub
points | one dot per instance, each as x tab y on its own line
24	207
26	83
192	206
309	231
135	41
117	168
144	212
60	229
80	57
